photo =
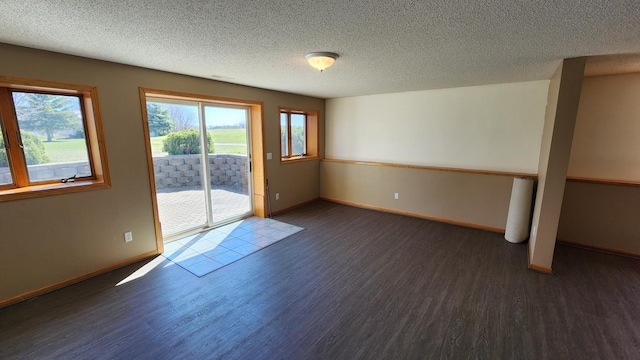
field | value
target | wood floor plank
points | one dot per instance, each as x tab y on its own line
356	284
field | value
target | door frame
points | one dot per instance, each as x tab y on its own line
256	143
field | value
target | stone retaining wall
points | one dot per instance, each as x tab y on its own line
170	171
185	170
50	171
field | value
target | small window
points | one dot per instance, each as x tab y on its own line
298	134
51	139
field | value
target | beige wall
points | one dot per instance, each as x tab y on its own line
606	143
490	127
601	216
474	199
51	239
606	146
560	119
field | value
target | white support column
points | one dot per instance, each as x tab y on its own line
557	136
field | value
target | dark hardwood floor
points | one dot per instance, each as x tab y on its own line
356	284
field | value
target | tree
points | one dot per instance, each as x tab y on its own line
184	118
297	140
159	122
42	113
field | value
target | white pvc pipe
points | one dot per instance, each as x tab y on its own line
519	216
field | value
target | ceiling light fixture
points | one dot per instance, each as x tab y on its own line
321	60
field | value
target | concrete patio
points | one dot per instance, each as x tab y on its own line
184	207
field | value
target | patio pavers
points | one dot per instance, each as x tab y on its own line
183	207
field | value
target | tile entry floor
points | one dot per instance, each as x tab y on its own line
203	253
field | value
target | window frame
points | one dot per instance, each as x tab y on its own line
311	135
22	187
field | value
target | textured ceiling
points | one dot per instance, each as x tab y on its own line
384	46
612	64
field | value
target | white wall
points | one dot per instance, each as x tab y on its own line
606	143
491	127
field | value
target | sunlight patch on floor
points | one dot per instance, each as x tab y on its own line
144	270
203	253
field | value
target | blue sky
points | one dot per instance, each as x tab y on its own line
219	116
216	116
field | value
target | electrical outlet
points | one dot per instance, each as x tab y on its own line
269	156
128	236
277	196
395	196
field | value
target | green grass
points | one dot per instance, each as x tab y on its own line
230	149
220	138
66	150
229	136
156	145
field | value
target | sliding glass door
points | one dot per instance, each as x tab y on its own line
229	161
201	163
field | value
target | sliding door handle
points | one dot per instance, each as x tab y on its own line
20	144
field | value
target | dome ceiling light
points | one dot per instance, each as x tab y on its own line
321	60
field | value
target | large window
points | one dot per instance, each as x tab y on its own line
51	139
298	134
